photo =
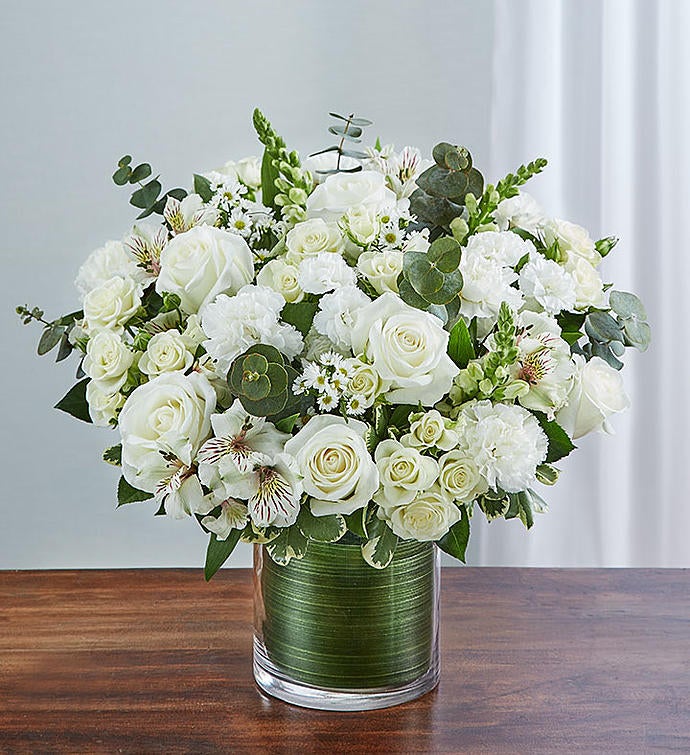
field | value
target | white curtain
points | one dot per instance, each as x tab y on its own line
602	89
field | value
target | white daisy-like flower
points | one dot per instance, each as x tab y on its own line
239	222
356	404
327	401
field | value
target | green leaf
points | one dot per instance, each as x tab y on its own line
50	338
65	349
287	424
121	175
547	475
444	252
146	197
604	246
523	504
113	455
74	401
140	173
494	504
400	415
570	321
637	333
127	493
219	551
601	327
322	529
379	551
357	522
291	543
571	338
125	160
454	542
627	305
301	315
460	346
202	187
560	444
269	173
409	295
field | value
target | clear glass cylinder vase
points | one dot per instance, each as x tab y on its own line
333	633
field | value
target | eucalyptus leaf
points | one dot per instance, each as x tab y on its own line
50	338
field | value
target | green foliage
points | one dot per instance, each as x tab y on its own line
147	197
291	543
571	324
604	246
202	187
454	542
54	333
521	506
494	504
560	444
460	346
547	475
300	314
113	455
357	523
219	551
74	402
321	529
126	493
350	130
378	552
632	318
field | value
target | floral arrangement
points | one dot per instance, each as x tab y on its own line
368	346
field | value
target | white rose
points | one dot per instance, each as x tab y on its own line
281	276
430	430
202	263
336	314
103	405
343	191
324	272
598	392
320	165
170	416
364	382
381	269
193	335
407	348
102	265
166	352
249	171
361	225
427	517
403	472
459	477
521	211
417	241
312	237
111	304
589	288
107	360
573	239
336	467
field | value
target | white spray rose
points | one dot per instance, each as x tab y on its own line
324	272
247	170
336	467
107	361
166	352
111	304
103	405
430	430
336	315
362	225
407	348
521	211
170	416
427	517
364	382
546	284
459	477
109	261
312	237
589	288
202	263
381	269
598	393
319	165
573	239
403	472
343	191
279	275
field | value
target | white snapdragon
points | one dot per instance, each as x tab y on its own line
324	272
521	211
340	192
381	269
109	261
166	352
597	393
107	361
547	285
336	315
407	348
403	472
312	237
281	276
111	304
103	405
427	517
202	263
430	430
505	441
233	324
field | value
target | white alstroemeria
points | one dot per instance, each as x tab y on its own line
597	393
401	169
430	430
340	192
166	352
336	315
417	241
505	441
234	515
572	239
312	237
486	285
242	440
381	269
589	288
427	517
145	245
107	360
505	248
459	477
334	462
202	263
103	405
281	276
233	324
521	211
545	284
179	490
403	472
109	261
111	304
181	215
325	272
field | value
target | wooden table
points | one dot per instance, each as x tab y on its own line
534	660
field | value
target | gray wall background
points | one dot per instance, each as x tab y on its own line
174	83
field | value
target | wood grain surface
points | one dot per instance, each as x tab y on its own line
534	660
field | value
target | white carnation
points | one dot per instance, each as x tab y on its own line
234	323
336	315
548	284
521	211
110	261
504	441
324	272
506	248
486	285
